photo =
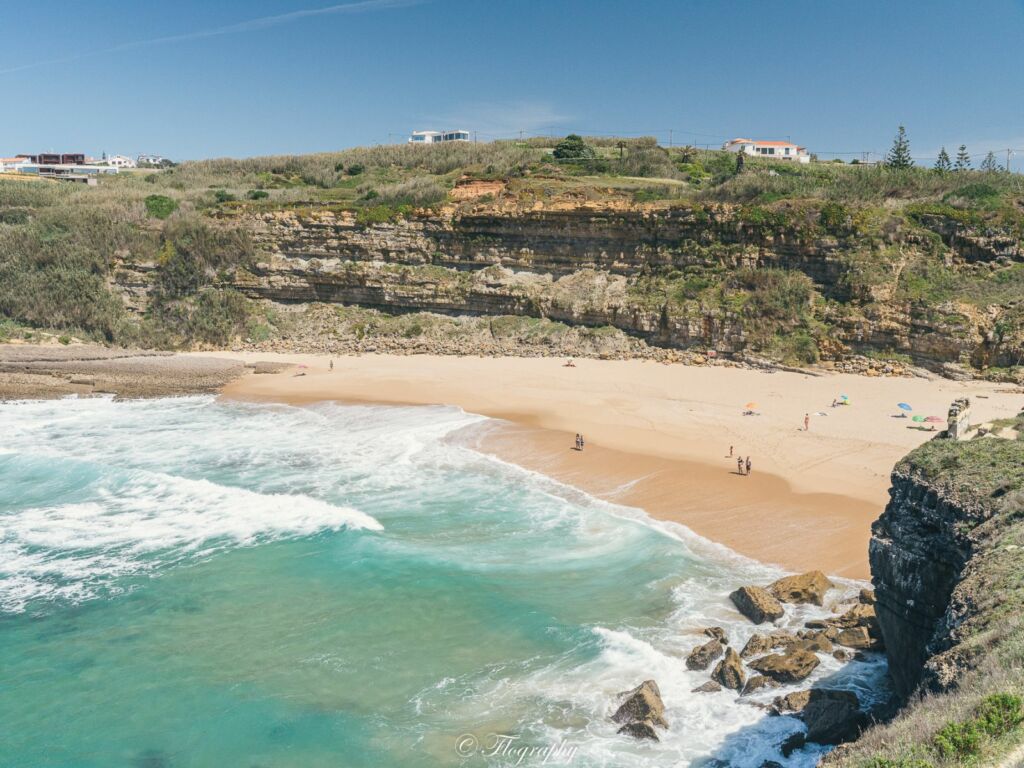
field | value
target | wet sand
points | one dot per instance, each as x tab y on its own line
658	436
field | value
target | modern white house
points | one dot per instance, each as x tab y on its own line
436	137
120	161
151	159
13	164
775	150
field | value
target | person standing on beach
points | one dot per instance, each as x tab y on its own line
582	442
578	447
332	366
807	422
730	451
739	464
748	465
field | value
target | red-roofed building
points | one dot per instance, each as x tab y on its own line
775	150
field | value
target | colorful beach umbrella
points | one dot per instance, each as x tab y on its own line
844	397
750	405
904	407
918	418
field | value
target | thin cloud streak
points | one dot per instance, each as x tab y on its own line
252	25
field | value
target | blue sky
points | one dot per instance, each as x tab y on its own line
202	78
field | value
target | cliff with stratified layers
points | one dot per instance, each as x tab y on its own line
947	563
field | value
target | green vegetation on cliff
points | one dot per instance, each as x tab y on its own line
796	262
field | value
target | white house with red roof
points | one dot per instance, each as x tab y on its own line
775	150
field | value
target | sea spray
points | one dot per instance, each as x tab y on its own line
224	583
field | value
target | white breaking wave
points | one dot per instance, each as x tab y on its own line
149	520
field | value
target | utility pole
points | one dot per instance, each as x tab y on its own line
670	138
1008	153
474	137
520	134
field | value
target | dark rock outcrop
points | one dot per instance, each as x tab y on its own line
702	656
709	687
643	729
643	703
790	667
757	604
917	554
802	588
718	634
757	682
729	671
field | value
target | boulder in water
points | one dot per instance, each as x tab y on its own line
832	716
807	587
709	687
757	604
729	671
718	633
757	682
858	638
643	729
789	667
702	656
642	703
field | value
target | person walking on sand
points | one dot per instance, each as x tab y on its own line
582	441
739	465
807	422
730	451
748	465
578	441
332	366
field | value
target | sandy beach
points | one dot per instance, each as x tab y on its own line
658	436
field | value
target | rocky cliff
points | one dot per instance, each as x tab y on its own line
947	563
798	283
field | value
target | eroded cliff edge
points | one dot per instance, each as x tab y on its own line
947	561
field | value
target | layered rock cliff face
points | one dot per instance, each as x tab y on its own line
918	551
947	562
679	277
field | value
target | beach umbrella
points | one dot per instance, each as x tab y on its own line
935	419
844	397
904	407
918	418
751	406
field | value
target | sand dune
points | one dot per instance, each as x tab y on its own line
658	436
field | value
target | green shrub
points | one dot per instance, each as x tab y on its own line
355	169
998	714
160	206
959	740
223	196
382	214
64	339
573	147
903	762
257	194
834	218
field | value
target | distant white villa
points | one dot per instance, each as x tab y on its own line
119	161
151	160
436	137
776	150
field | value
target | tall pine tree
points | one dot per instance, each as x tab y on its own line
989	164
942	163
963	160
899	156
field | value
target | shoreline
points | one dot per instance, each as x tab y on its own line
658	436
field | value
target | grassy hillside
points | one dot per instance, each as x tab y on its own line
60	244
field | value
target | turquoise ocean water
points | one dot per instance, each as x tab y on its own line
187	583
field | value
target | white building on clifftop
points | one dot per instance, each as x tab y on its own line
774	150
